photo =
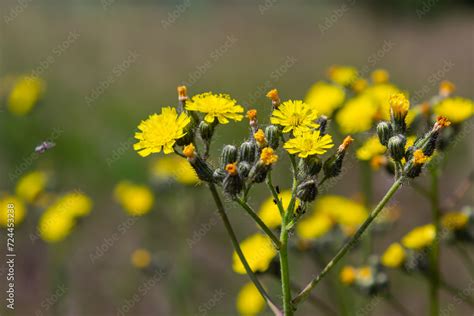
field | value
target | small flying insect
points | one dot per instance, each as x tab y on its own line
44	146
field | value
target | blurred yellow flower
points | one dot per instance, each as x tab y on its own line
348	275
346	212
249	300
359	85
160	132
19	209
455	109
55	225
30	186
308	143
357	115
216	106
141	258
259	252
455	220
25	93
293	115
380	95
370	149
380	76
135	199
420	237
343	75
325	97
176	168
314	226
394	256
74	204
269	212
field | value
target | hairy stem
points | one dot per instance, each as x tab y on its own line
435	249
348	245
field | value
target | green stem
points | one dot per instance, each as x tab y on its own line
316	302
235	242
348	245
274	193
284	269
258	220
367	186
435	249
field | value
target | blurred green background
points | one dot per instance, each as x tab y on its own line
109	64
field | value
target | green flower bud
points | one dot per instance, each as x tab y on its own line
228	155
307	191
384	131
396	147
188	137
243	168
206	130
332	166
248	152
259	172
272	134
203	171
323	123
309	167
232	184
219	175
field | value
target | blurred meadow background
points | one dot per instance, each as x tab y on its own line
109	64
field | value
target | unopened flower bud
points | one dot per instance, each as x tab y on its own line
323	123
228	155
203	171
232	183
243	169
307	191
273	95
272	134
332	167
259	172
384	132
206	130
248	152
252	116
399	106
430	146
396	147
309	167
219	175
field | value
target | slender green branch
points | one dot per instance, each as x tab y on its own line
275	194
315	301
435	249
258	220
348	245
235	242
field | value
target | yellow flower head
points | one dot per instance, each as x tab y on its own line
75	204
419	157
216	106
324	97
446	88
260	137
141	258
359	85
370	149
268	157
348	275
249	300
31	185
399	104
394	256
55	225
136	199
252	114
380	76
357	115
176	168
259	252
294	115
420	237
343	75
314	226
308	143
455	109
11	208
269	212
25	94
455	220
160	132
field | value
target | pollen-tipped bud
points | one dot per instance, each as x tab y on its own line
384	132
206	130
272	135
396	147
248	152
273	95
252	116
309	167
430	146
182	93
418	160
399	106
332	167
259	137
307	191
259	171
228	155
232	183
203	171
323	123
441	122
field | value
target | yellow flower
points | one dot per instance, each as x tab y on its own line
216	106
307	143
357	115
160	132
380	94
348	213
10	202
141	258
249	300
343	75
176	168
370	149
455	220
268	157
55	225
380	76
399	104
348	275
325	98
394	256
30	186
269	212
418	157
259	252
74	204
135	199
359	85
455	109
420	237
314	226
294	115
25	94
260	137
